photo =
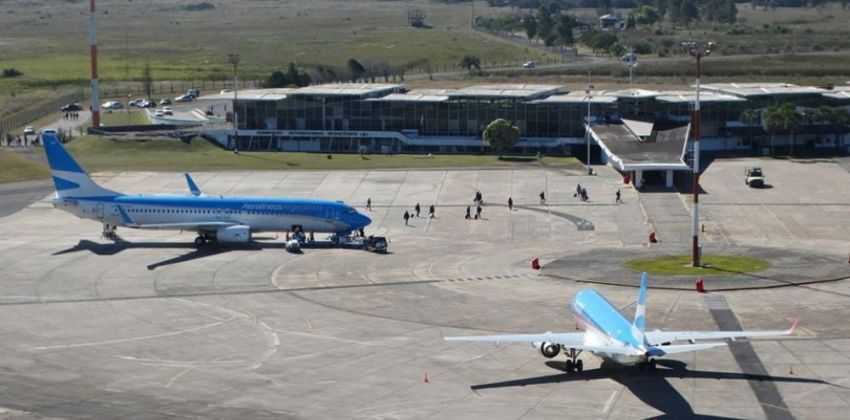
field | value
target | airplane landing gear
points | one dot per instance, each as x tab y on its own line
573	362
200	241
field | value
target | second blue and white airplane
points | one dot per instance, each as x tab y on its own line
214	218
609	335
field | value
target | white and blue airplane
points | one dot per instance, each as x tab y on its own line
609	335
214	218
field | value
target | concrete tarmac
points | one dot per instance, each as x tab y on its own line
151	328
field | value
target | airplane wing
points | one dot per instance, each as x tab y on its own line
658	337
568	340
683	348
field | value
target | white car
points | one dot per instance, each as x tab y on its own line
529	65
112	105
184	98
29	130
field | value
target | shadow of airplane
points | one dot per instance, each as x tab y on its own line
650	387
113	248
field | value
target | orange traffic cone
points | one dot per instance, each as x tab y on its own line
700	285
535	263
426	380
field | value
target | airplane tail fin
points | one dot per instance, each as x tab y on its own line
69	178
639	324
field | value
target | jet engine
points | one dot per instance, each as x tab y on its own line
238	233
548	350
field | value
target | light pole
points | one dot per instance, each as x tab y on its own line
630	60
588	96
698	50
234	60
95	89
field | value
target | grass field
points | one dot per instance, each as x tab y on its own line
713	265
105	154
124	117
14	167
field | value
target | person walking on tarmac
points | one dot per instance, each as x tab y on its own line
417	209
431	211
406	217
510	204
478	212
618	200
369	204
468	213
542	197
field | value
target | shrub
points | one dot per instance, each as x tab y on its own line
11	72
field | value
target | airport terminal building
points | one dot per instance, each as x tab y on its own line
633	129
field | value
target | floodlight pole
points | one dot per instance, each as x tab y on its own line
588	97
698	50
95	90
234	60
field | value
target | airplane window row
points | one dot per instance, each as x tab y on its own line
197	211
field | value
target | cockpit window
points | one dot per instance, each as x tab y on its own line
350	211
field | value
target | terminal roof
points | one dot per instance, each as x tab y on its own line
577	97
761	89
839	92
507	91
250	95
349	89
687	96
417	95
633	93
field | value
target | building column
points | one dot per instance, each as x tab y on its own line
669	182
638	179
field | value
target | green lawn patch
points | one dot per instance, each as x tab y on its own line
14	168
124	117
712	265
104	153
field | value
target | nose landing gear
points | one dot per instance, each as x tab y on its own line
109	232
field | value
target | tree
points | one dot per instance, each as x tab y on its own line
357	70
565	30
782	118
501	135
689	12
469	62
631	21
530	25
603	7
545	25
147	80
646	15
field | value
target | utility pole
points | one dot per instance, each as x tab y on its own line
698	50
234	60
588	96
95	92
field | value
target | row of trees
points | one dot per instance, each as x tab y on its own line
785	118
550	26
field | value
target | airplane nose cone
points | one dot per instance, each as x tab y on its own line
362	220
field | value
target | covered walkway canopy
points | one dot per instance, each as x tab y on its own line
661	150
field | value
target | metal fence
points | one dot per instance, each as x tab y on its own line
30	114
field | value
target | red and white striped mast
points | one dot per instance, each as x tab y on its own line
95	91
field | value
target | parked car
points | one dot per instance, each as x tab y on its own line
71	107
164	102
195	93
158	113
167	111
184	98
755	178
136	102
147	104
28	130
529	65
112	105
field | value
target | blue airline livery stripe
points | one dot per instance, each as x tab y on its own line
596	310
64	184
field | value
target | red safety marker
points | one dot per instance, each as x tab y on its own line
700	285
535	263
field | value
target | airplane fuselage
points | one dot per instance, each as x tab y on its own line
260	213
605	326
